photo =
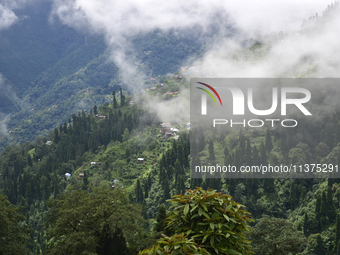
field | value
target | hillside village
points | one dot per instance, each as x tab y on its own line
89	166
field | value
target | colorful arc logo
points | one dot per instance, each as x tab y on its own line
212	89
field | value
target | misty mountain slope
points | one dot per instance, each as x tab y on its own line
75	57
49	104
165	52
89	67
95	74
34	172
45	63
53	105
32	45
8	100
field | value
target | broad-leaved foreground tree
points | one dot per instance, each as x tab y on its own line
100	221
175	245
212	220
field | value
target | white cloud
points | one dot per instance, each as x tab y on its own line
119	20
4	118
290	55
7	17
272	16
124	18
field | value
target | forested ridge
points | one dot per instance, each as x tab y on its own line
90	170
33	178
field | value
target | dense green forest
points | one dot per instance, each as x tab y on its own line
33	179
86	168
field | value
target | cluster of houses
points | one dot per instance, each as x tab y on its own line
81	175
168	131
68	175
139	160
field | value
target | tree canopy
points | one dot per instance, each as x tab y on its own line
13	233
98	222
274	236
